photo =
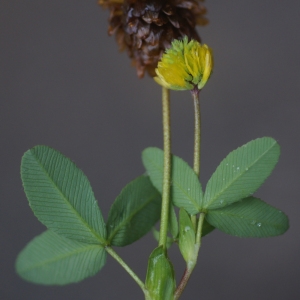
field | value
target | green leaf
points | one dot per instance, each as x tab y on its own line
186	189
134	212
206	228
250	217
160	281
187	236
173	223
241	173
54	260
60	195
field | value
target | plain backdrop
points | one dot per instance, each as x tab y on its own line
64	84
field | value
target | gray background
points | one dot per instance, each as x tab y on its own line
64	84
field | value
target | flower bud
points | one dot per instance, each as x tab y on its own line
185	66
187	237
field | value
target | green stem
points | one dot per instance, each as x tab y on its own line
197	134
127	268
167	168
197	137
199	232
191	265
197	149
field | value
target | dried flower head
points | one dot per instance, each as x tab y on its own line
185	66
145	28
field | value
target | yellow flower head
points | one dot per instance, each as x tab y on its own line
185	66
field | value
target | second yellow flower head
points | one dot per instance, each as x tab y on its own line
185	66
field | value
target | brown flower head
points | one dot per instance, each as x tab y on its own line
146	28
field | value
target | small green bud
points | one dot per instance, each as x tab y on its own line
160	279
187	237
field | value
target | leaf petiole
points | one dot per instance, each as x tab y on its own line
127	269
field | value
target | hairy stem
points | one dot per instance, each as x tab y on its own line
197	135
167	168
